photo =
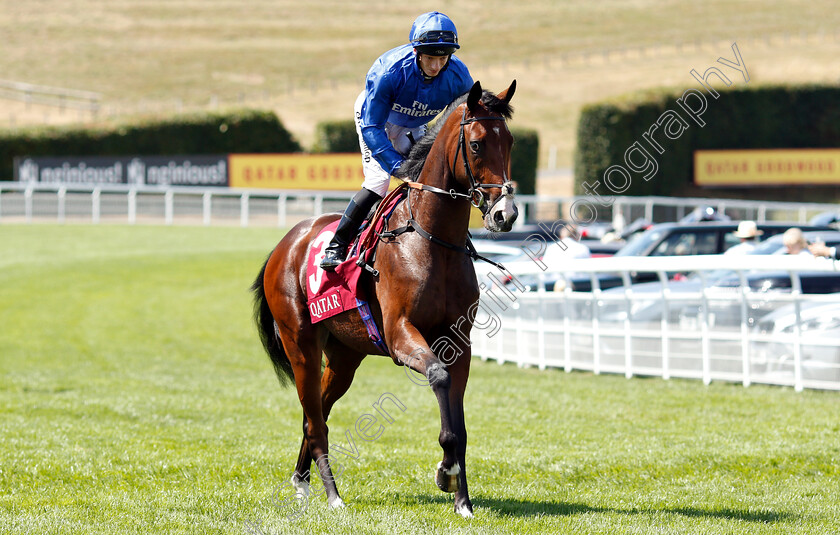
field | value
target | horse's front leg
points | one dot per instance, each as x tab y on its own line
459	372
410	349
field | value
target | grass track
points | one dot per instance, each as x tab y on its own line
135	398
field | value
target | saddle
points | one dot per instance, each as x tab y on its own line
373	226
331	293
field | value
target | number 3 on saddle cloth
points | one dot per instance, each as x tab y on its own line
329	293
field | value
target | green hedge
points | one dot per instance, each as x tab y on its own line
243	131
749	117
523	164
336	136
341	136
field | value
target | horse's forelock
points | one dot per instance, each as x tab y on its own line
497	105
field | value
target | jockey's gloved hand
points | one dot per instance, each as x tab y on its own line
397	171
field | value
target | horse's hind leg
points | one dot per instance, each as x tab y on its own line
300	477
338	374
309	392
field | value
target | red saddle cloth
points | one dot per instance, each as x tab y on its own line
331	293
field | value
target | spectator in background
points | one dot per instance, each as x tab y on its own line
821	249
794	242
748	233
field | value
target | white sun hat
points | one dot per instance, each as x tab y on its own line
747	229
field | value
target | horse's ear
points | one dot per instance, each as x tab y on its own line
507	94
474	96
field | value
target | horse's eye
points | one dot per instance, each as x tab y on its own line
475	146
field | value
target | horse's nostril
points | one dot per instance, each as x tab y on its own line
499	217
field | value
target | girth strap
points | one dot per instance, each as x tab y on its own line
370	325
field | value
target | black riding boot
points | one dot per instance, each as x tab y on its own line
359	206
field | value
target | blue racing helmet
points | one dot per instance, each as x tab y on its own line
434	34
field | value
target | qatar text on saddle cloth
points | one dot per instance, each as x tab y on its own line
329	293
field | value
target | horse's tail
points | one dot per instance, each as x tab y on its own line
268	334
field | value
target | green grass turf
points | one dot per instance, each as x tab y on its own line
135	398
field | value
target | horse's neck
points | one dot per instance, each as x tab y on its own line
441	215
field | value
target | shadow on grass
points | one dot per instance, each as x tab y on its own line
527	508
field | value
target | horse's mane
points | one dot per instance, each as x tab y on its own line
413	164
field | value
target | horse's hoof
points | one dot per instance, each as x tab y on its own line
447	480
337	503
464	510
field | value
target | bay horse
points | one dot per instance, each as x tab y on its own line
426	284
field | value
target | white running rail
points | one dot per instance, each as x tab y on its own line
702	332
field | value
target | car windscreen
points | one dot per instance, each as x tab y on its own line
640	243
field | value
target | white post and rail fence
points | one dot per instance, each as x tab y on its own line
153	204
706	331
716	326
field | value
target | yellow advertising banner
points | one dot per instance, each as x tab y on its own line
766	167
296	171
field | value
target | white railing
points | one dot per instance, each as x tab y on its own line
705	332
600	331
663	209
28	202
189	205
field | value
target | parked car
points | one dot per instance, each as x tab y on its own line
677	239
774	245
518	234
704	213
714	237
771	246
819	324
595	230
683	239
826	219
525	235
498	252
607	240
723	284
727	313
495	252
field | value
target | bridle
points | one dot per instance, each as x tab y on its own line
475	194
475	188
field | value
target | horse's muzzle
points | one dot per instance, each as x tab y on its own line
501	216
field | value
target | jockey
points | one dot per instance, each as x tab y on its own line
404	90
